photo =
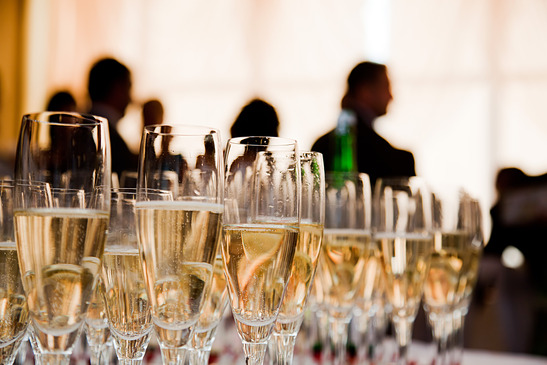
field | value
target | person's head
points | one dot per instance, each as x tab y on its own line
368	85
152	112
510	178
61	101
110	83
257	118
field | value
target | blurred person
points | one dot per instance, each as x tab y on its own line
518	287
257	118
62	101
109	87
152	112
368	95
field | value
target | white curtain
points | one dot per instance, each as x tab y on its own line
469	76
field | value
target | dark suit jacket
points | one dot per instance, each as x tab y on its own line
375	156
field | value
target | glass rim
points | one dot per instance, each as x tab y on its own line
310	154
279	141
187	129
86	119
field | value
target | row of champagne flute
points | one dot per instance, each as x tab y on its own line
264	205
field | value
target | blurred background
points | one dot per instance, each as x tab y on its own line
469	77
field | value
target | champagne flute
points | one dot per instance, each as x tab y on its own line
178	238
306	257
467	283
124	291
346	248
318	320
403	223
452	258
210	317
260	233
14	313
96	327
60	236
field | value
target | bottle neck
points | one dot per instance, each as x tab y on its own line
345	155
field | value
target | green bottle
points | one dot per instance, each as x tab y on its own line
345	154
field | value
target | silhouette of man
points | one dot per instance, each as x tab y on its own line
368	94
109	87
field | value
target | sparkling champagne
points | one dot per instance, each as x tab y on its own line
62	248
258	260
14	313
179	243
127	303
445	270
343	260
302	274
406	263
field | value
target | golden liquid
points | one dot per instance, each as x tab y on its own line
406	263
179	242
452	273
60	254
343	259
13	305
127	304
302	274
258	261
468	278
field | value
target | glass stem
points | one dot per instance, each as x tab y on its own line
95	354
254	353
362	323
173	355
54	359
456	340
322	334
199	356
339	338
403	332
283	348
441	330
